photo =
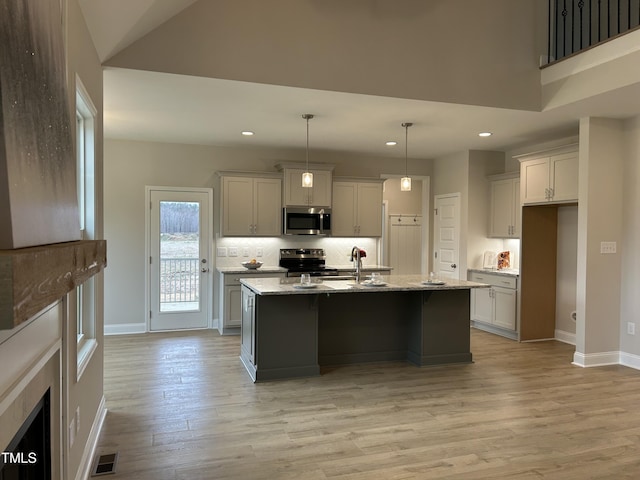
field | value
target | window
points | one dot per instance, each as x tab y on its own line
85	166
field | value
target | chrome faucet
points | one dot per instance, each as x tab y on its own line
355	257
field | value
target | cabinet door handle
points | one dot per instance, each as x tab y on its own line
550	193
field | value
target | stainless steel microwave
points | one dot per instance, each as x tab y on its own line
306	221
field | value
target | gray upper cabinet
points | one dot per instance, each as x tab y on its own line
357	209
251	206
295	195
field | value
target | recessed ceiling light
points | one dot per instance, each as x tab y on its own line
247	133
391	143
485	134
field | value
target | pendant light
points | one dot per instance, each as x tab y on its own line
307	177
405	182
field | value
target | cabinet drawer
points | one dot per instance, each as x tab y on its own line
494	280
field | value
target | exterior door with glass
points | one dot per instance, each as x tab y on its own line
179	271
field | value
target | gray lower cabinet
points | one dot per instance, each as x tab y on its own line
230	312
248	323
495	309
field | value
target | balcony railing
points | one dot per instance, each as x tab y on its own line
179	280
575	25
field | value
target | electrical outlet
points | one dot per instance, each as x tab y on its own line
631	328
245	251
608	247
233	251
259	252
221	251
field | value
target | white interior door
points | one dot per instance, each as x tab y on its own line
179	244
447	235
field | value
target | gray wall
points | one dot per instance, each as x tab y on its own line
130	166
87	392
427	50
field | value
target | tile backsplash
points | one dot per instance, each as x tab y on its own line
337	249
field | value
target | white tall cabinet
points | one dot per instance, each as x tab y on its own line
251	206
357	208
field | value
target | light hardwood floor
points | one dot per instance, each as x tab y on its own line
182	407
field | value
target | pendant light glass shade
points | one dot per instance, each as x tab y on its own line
307	177
405	182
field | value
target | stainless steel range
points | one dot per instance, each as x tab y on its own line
305	260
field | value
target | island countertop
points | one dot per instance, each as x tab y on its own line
391	283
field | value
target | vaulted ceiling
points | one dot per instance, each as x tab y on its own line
171	107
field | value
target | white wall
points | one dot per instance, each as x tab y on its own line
130	166
401	203
481	165
629	251
566	268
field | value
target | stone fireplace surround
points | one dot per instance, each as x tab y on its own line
37	279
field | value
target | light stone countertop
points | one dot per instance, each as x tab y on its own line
393	283
508	272
264	269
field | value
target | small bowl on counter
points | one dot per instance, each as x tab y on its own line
252	265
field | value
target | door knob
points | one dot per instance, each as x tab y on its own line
204	269
453	265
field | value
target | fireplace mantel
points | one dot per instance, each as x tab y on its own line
33	278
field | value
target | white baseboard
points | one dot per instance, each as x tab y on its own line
630	360
92	443
125	328
596	359
566	337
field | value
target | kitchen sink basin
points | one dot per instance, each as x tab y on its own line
340	284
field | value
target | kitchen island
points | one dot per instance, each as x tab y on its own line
291	330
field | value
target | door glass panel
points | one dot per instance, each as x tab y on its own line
179	256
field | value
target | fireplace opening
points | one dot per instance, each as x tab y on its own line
28	456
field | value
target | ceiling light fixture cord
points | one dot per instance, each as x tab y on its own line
405	182
308	118
307	177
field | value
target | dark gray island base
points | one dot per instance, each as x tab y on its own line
292	333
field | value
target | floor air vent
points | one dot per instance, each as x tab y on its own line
105	464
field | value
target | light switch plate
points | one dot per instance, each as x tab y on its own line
221	251
608	247
258	251
245	251
233	251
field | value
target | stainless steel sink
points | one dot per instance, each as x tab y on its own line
334	278
340	284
